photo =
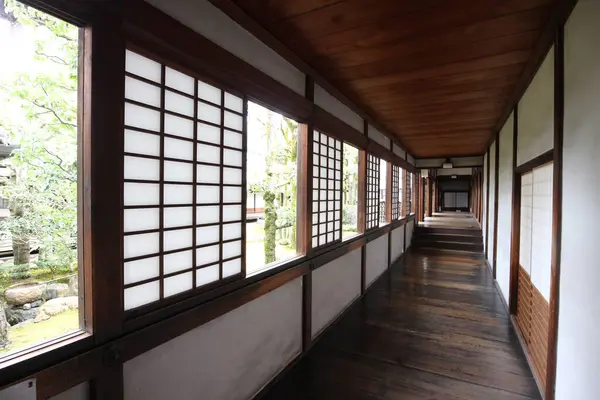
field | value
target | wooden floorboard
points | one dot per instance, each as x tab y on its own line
433	328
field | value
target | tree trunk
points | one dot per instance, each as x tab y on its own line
270	226
3	327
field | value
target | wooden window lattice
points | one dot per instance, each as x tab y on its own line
372	217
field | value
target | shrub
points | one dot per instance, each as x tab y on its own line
17	272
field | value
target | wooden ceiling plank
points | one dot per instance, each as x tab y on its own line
434	41
422	60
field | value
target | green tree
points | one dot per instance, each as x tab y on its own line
42	121
279	182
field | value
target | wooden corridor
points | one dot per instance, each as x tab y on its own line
432	327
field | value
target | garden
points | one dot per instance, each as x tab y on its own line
39	287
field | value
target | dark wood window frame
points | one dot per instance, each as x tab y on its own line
97	355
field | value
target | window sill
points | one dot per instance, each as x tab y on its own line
34	359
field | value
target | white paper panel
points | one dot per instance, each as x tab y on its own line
179	104
178	171
140	194
177	284
232	249
143	294
141	168
207	194
525	232
232	194
232	139
541	242
180	149
232	157
142	117
209	113
234	121
140	270
177	216
208	154
139	245
142	143
140	219
232	231
232	176
234	103
142	92
207	234
232	267
232	213
207	255
178	194
177	239
209	133
142	66
208	174
177	261
179	126
209	93
179	81
207	275
207	214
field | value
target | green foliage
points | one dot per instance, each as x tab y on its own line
42	121
18	272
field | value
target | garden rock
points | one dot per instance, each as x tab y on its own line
3	328
23	293
55	290
27	306
73	286
56	306
36	303
16	315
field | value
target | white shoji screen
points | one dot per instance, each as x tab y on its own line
183	167
327	189
372	219
541	229
526	215
396	204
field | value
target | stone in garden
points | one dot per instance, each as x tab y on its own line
26	306
74	285
4	340
23	293
15	315
55	290
36	304
56	306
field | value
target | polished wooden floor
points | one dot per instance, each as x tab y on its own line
433	327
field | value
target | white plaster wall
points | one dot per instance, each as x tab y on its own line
536	114
467	161
335	107
541	236
399	151
410	159
229	358
484	190
454	171
490	228
505	207
377	259
397	243
210	22
79	392
334	287
379	137
410	227
579	325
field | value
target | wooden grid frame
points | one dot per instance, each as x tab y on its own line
396	193
183	163
372	192
409	193
327	189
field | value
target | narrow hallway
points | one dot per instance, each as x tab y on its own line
433	327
